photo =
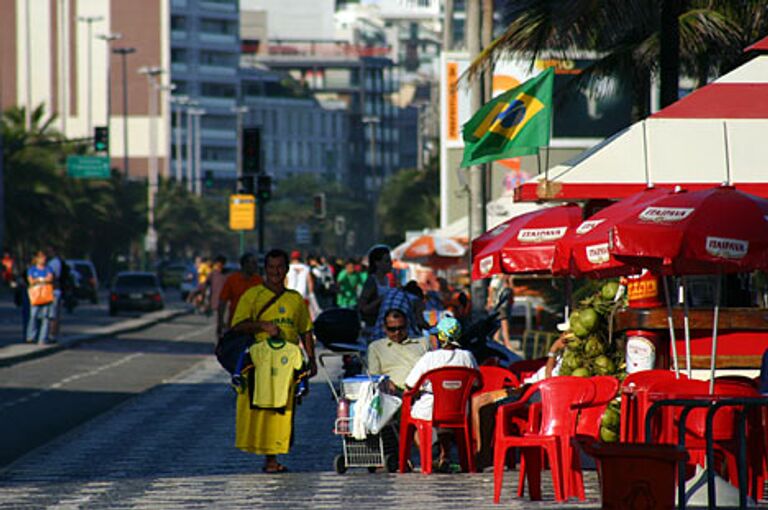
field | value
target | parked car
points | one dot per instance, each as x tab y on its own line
171	274
86	283
135	290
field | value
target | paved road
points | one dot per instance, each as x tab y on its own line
171	447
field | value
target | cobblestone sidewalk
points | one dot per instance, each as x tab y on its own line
172	448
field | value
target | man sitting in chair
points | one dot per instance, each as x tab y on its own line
449	354
397	353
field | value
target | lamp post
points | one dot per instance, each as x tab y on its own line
109	38
239	111
124	52
167	90
180	102
190	171
90	20
372	121
151	73
196	184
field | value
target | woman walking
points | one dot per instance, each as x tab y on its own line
40	282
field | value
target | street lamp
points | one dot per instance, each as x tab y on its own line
109	38
90	20
168	89
190	170
180	102
197	113
124	52
240	111
151	73
372	121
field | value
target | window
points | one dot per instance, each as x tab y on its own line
218	122
178	55
217	153
219	90
179	23
218	58
217	26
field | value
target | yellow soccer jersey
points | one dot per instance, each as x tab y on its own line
289	312
274	367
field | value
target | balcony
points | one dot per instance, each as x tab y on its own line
206	37
219	6
217	70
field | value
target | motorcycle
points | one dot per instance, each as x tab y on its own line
477	337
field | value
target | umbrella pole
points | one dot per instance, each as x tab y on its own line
671	327
568	297
686	328
714	334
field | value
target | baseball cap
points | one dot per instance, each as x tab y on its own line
448	331
295	254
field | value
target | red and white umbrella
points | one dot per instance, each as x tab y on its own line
524	244
430	250
584	250
713	231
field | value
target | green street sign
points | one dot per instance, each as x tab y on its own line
88	167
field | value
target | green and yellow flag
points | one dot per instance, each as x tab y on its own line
514	124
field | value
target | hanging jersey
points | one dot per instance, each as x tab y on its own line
274	368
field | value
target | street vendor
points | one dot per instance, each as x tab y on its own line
397	353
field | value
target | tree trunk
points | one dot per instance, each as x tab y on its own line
670	51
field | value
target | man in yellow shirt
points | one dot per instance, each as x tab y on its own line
273	314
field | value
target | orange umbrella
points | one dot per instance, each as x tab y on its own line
431	250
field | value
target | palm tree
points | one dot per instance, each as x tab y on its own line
629	38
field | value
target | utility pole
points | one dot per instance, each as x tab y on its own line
240	111
477	219
448	26
197	185
152	88
90	20
109	38
124	52
190	171
180	102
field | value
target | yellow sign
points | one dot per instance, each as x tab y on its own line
242	212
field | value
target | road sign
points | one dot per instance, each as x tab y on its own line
303	234
88	167
339	225
242	212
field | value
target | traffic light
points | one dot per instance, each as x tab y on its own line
251	151
246	186
101	138
208	178
264	188
318	205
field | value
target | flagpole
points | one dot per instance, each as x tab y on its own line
477	219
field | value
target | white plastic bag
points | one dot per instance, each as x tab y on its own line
380	411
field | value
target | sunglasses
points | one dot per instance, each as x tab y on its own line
395	329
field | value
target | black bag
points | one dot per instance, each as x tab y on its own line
229	348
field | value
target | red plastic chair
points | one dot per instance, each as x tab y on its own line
634	402
452	388
560	399
723	426
526	368
497	378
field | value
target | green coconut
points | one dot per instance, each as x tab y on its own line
581	372
608	436
604	365
609	290
593	347
588	318
611	419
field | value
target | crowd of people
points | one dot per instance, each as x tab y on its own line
276	312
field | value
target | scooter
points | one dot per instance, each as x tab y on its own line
478	337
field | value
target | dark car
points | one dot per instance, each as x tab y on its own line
85	279
134	290
172	273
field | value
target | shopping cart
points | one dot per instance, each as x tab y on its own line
338	330
376	450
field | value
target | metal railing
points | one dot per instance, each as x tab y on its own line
713	403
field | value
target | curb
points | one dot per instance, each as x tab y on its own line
72	340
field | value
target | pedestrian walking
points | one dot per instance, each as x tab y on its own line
300	279
234	287
60	276
375	288
40	282
349	283
278	319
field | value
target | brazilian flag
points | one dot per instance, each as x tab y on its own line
515	123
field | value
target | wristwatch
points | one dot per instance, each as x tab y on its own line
551	354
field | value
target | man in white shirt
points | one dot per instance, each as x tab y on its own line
448	355
299	278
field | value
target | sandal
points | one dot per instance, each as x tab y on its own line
277	468
443	466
